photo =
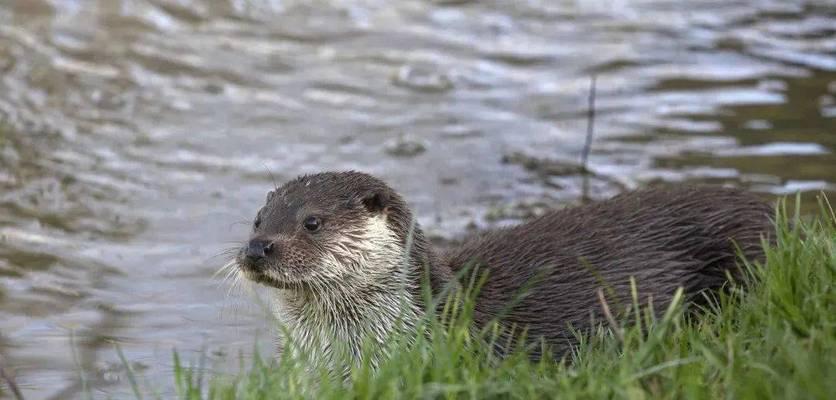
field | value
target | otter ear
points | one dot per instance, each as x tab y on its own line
270	195
375	201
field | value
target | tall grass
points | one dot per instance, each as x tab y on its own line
777	339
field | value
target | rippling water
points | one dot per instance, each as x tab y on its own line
138	138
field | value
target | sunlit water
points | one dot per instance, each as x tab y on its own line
138	138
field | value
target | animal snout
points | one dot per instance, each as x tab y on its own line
258	249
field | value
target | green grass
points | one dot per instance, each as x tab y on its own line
775	340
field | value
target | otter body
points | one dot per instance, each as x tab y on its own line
663	238
347	259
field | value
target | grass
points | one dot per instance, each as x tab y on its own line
775	340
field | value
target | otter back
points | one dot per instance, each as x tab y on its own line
664	238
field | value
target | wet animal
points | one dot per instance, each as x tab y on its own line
345	259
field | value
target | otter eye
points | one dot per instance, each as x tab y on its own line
312	224
257	223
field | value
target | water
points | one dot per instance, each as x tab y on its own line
138	138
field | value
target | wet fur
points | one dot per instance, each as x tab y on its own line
346	284
664	238
350	283
332	320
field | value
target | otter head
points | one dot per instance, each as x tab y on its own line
345	231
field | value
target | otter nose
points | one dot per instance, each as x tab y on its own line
257	249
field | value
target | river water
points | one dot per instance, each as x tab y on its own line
139	137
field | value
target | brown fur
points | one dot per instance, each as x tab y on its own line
664	238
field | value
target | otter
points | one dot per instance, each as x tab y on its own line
347	259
